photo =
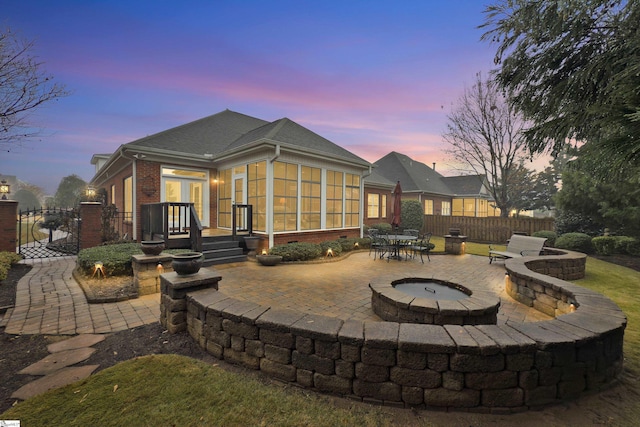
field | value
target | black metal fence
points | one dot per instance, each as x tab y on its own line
48	232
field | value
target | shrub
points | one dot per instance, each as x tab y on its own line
604	245
575	242
336	247
301	251
116	259
633	247
349	243
411	215
571	222
621	244
7	259
382	227
551	237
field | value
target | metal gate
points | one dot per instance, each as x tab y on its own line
48	232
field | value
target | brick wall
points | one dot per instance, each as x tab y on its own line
8	225
91	226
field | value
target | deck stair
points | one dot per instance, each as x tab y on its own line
221	250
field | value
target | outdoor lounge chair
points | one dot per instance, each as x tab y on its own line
518	247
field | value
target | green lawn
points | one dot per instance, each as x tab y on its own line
174	390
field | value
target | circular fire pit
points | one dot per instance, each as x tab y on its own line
432	301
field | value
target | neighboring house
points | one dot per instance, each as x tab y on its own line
439	195
302	187
378	196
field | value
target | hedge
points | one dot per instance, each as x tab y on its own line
575	242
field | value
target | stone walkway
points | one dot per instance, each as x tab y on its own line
50	301
56	370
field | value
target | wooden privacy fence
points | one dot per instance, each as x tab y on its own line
490	229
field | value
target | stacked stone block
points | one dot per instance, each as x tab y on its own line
173	298
485	368
146	274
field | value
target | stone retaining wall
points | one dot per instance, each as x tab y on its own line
540	282
487	368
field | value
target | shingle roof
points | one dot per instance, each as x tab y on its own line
375	178
229	131
465	184
211	134
288	132
414	176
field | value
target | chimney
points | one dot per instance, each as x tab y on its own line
434	166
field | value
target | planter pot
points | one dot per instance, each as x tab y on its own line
269	260
152	247
187	263
251	242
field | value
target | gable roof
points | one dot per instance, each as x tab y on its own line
209	135
292	135
414	176
229	132
465	184
224	135
377	180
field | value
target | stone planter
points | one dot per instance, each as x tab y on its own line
269	260
187	263
152	247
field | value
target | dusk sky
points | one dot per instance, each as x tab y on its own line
371	76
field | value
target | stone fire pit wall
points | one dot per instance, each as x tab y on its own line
497	368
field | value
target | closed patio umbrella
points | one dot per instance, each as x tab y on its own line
397	200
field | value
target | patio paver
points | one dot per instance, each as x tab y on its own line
49	301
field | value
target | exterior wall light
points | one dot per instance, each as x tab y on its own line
91	193
4	189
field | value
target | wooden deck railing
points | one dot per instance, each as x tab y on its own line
171	221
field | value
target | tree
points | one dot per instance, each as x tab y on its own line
484	132
26	199
529	190
23	88
612	202
521	188
571	67
70	191
36	190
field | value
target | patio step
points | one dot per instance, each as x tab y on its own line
224	260
217	250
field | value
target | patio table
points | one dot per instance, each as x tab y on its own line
397	240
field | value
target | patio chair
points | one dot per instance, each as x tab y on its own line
422	246
406	246
381	246
372	233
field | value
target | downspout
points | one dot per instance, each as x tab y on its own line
270	199
276	155
364	175
134	195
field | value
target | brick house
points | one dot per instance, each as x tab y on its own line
439	195
301	186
